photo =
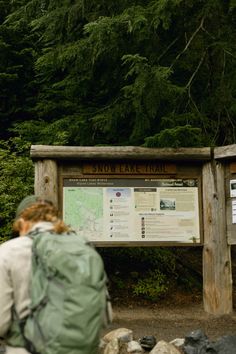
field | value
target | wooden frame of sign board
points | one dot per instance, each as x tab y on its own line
54	164
135	169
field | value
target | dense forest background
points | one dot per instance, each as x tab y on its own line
154	73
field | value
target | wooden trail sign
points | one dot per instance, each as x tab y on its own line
133	196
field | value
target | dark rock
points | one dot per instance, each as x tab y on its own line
195	342
148	342
223	345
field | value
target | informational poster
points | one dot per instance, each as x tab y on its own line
133	210
233	188
233	211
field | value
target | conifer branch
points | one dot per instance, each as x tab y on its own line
169	46
223	68
195	72
189	42
227	52
217	128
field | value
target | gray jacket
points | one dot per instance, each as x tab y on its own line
15	267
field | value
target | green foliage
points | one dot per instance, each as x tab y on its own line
152	272
184	136
41	132
16	181
149	88
153	286
117	281
232	5
163	12
17	86
141	271
118	70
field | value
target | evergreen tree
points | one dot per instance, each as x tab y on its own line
17	85
157	72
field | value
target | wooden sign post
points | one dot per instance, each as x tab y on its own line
217	273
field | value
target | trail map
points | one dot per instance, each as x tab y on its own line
130	210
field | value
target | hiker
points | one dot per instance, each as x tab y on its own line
49	236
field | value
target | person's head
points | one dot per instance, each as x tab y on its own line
33	209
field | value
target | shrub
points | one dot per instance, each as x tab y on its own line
153	286
16	181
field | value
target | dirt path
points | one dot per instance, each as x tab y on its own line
170	322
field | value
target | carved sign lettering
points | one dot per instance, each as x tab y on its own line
133	168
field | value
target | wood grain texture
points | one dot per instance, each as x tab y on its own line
118	152
217	273
225	152
46	180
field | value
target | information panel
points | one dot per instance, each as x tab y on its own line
133	210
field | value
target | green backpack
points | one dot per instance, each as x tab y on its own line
68	296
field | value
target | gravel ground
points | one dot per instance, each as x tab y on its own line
167	322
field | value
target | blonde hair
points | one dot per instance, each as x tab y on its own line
42	210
